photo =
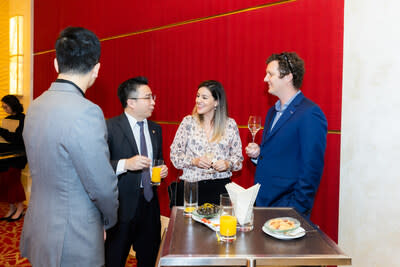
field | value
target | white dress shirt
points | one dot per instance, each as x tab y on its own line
136	134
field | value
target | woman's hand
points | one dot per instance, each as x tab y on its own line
202	162
164	171
221	165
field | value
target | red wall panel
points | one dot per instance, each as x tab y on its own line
231	48
123	16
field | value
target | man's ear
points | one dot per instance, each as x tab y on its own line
95	71
288	77
56	65
130	103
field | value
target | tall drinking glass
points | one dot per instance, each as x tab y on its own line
254	125
227	219
191	196
156	171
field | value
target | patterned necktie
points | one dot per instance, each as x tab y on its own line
147	188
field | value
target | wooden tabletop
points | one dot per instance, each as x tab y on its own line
189	243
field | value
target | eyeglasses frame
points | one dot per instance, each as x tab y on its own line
150	97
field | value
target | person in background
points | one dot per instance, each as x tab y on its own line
207	145
74	196
11	189
290	158
135	141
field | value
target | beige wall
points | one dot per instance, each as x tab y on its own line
369	219
4	37
23	7
9	8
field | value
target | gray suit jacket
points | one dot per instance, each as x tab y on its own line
74	188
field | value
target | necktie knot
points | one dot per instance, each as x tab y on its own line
140	123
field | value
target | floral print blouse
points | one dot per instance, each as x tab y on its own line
191	142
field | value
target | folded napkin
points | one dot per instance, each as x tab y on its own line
242	200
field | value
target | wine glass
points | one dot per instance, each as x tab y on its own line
210	156
254	125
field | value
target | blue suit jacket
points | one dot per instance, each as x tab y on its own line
291	159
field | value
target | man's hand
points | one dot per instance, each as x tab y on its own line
253	150
137	162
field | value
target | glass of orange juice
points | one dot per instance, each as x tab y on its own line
156	171
227	219
227	228
190	196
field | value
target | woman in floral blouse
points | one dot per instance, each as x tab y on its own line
207	145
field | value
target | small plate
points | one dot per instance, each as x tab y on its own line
285	221
299	232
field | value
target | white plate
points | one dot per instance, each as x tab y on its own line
299	232
212	223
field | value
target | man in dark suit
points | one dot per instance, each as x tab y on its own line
290	158
134	142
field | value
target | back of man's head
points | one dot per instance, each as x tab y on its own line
77	50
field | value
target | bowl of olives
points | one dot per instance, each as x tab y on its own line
207	210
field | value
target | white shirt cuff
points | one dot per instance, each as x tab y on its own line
120	167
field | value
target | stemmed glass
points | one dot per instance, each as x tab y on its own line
254	125
210	156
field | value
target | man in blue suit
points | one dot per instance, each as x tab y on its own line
290	158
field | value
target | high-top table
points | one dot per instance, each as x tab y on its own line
190	243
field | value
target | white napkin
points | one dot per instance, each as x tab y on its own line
242	200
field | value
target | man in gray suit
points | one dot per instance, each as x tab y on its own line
74	196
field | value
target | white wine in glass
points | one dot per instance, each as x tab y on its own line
254	125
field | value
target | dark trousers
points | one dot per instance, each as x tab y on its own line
209	190
142	233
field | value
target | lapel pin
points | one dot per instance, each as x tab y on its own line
153	131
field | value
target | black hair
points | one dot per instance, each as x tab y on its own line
77	50
129	88
13	102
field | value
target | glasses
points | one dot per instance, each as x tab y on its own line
285	57
149	97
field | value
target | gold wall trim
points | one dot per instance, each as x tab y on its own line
176	24
239	126
168	122
334	132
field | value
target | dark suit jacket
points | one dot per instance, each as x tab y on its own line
15	144
122	145
291	159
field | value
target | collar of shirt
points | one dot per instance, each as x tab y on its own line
133	121
278	107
